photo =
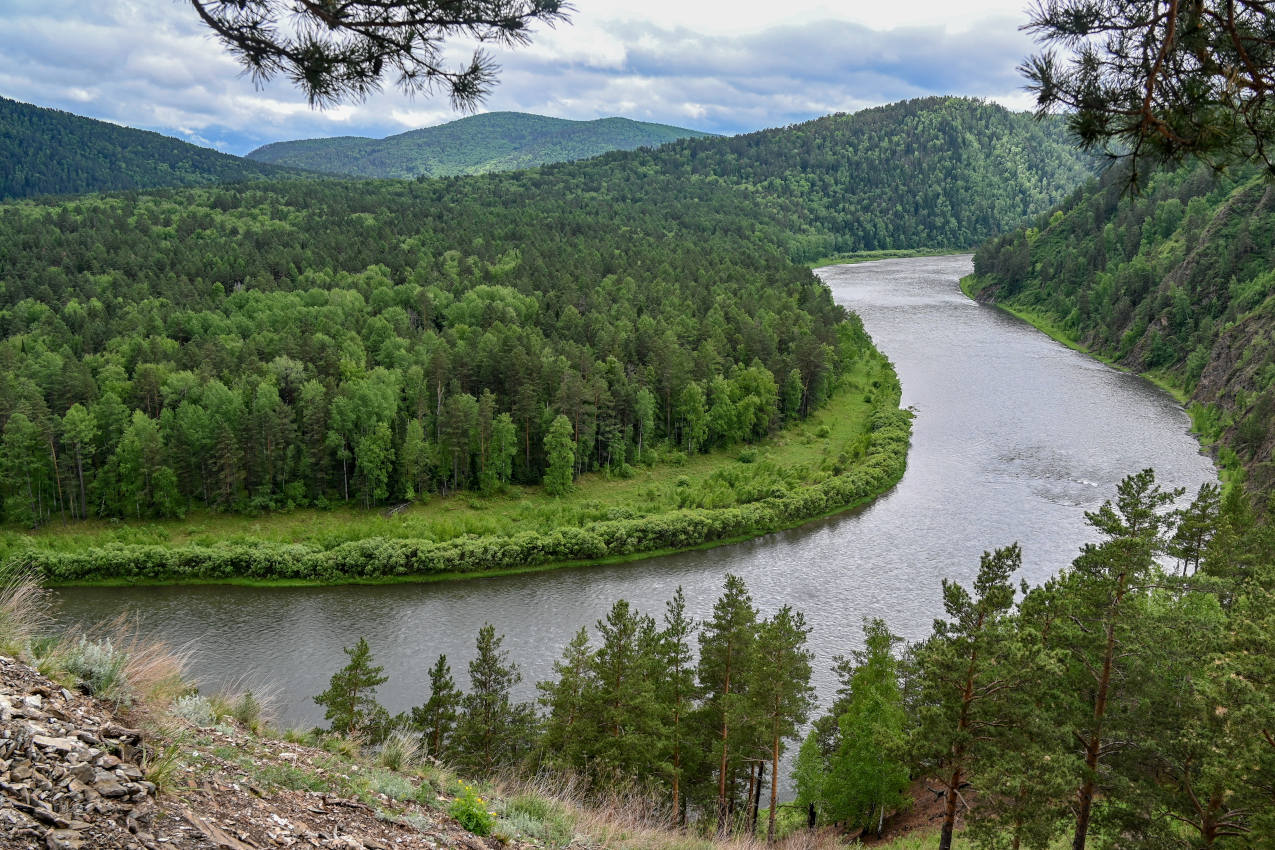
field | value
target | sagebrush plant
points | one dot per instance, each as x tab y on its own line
114	662
195	709
100	667
470	811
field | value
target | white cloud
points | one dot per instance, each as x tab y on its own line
718	67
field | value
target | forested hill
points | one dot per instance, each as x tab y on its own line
927	173
274	344
495	141
1177	282
50	152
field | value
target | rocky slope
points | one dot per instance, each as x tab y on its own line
74	776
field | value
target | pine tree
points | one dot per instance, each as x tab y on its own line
488	730
437	716
962	671
1103	596
676	690
567	736
350	700
727	641
781	691
624	705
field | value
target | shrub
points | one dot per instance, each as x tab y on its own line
470	811
100	668
195	709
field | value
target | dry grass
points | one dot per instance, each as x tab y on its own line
115	662
25	609
248	701
629	819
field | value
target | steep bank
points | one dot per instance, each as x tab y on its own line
1175	284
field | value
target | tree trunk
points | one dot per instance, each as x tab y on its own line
1093	746
722	812
774	790
79	468
761	779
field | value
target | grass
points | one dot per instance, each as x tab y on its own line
852	257
25	609
802	454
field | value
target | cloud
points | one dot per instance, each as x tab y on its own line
151	64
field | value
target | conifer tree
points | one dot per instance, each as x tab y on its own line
624	706
676	690
780	689
437	716
727	641
350	700
1103	595
566	737
962	670
488	730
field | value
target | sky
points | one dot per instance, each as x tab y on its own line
714	66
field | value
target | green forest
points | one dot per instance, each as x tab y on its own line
938	172
50	152
279	345
1175	282
493	141
1053	710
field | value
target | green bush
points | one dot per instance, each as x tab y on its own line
470	811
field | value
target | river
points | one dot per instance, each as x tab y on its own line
1015	437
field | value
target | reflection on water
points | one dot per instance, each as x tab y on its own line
1015	437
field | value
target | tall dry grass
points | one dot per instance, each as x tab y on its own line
114	661
630	819
26	608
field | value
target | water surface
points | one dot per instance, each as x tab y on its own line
1015	437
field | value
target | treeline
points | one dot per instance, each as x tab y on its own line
50	152
1127	702
310	343
1176	281
861	471
696	712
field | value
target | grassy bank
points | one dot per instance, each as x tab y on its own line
842	456
852	257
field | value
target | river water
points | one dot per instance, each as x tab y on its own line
1015	437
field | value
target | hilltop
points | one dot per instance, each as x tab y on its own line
478	144
935	172
50	152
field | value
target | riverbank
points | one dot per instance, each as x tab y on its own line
1045	323
852	257
1203	425
842	457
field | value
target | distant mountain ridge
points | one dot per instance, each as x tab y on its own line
477	144
51	152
